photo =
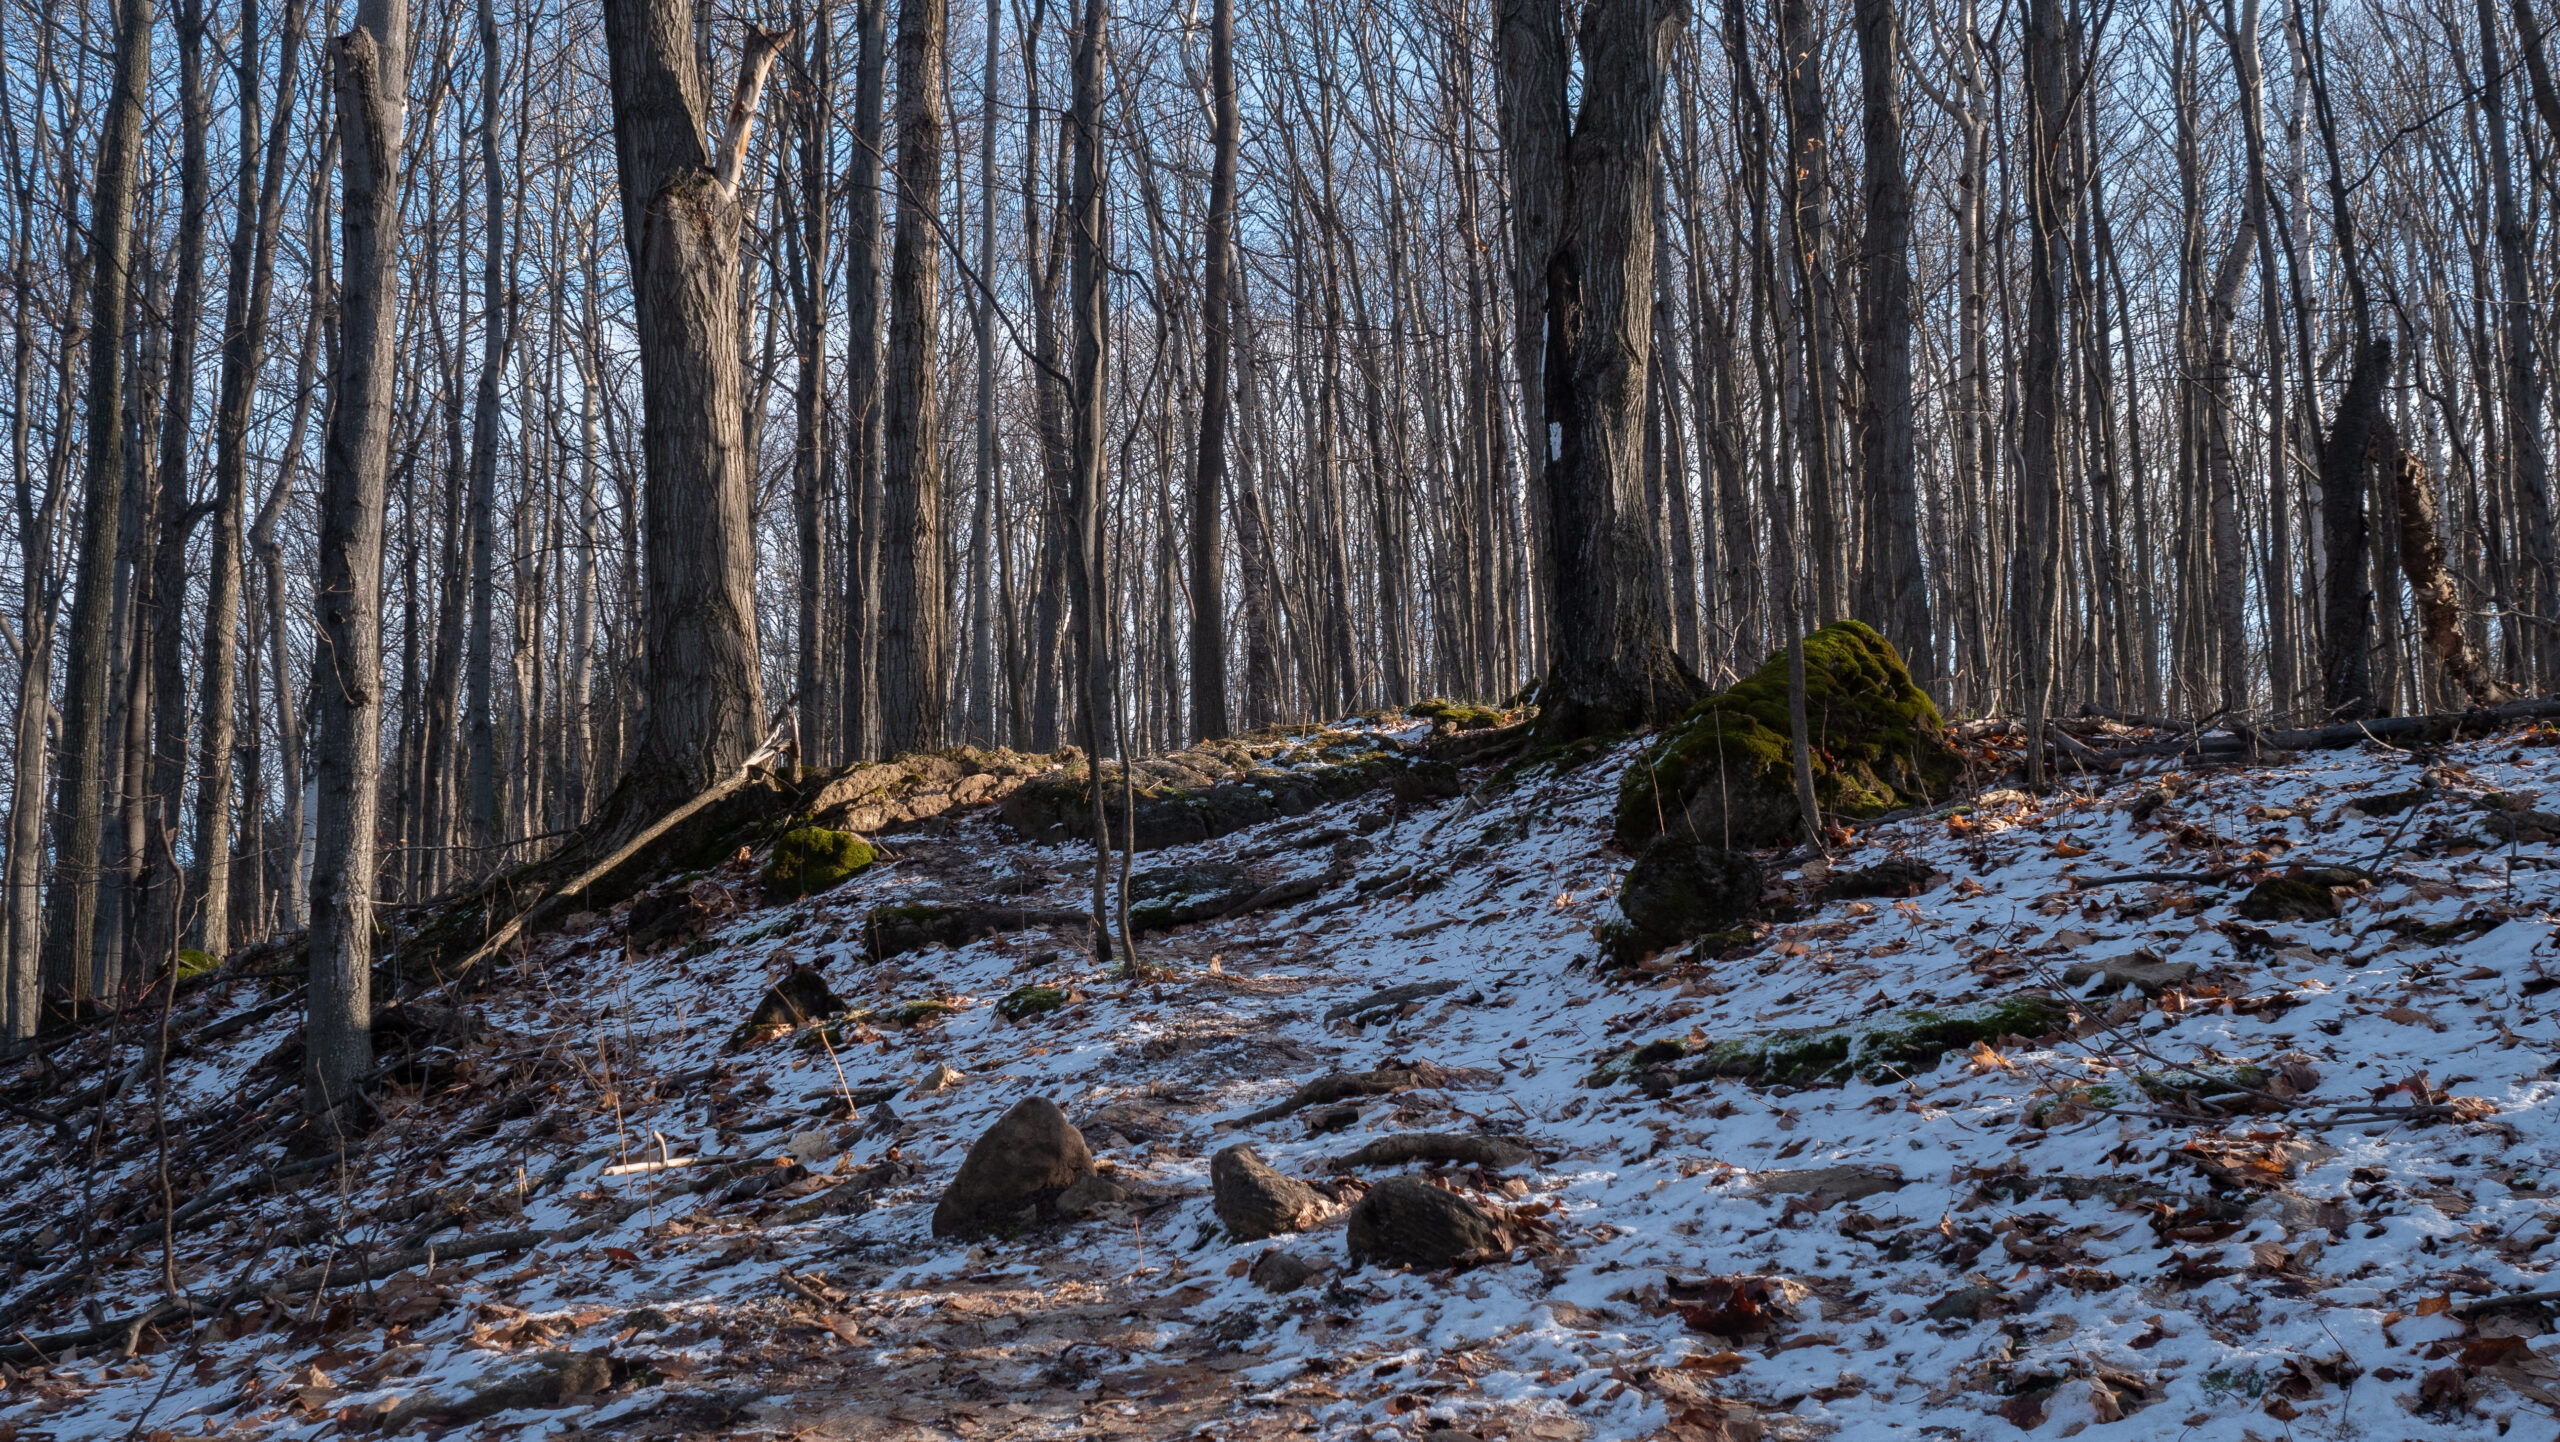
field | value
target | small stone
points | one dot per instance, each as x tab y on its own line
942	1078
1893	876
1014	1173
801	997
1254	1201
811	1147
1091	1195
1330	1119
1407	1221
1964	1304
1279	1271
1836	1184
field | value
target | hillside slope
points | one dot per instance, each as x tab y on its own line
2262	1183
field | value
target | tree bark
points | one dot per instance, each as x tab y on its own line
77	820
244	333
480	518
915	621
2037	555
705	701
862	377
346	674
1217	326
1595	179
1897	588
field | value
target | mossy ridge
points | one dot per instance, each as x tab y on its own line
1876	741
1879	1049
1458	715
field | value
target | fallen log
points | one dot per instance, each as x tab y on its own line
2429	730
1334	1086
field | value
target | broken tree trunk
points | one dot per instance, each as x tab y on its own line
2422	558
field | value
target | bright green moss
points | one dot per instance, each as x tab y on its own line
1457	714
1025	1002
813	859
1726	769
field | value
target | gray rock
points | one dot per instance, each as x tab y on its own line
1253	1200
1279	1271
1407	1221
1015	1173
1091	1195
1964	1304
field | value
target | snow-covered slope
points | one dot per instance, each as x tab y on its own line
2017	1235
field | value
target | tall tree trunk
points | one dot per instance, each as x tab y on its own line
812	453
1614	667
2524	379
985	718
862	376
1898	590
915	620
371	62
2346	454
1217	317
1809	230
1087	247
244	334
681	220
160	635
77	818
2037	556
480	519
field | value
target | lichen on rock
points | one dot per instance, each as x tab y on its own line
1725	772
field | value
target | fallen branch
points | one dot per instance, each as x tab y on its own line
1334	1086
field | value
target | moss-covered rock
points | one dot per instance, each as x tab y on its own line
1875	1049
1725	773
1680	889
1025	1002
813	859
1164	897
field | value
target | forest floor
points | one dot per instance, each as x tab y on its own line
2058	1235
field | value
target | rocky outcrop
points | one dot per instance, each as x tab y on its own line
1725	774
1220	787
875	796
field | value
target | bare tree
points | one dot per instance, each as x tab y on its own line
915	622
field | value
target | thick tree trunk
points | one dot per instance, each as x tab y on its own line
1597	180
915	620
1217	317
371	66
160	634
705	702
